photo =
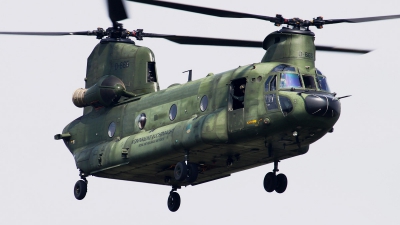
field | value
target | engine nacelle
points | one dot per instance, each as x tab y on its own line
106	92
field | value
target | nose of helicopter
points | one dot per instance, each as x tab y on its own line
322	105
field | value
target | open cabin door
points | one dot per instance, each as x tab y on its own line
236	105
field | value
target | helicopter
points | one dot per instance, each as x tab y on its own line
208	137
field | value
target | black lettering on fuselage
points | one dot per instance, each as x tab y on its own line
306	55
121	65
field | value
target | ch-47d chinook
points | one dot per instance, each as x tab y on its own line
206	129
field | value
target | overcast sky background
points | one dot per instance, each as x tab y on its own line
348	177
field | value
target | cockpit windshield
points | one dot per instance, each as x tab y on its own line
289	80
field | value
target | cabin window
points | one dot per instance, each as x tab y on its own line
309	82
290	80
141	121
151	72
172	112
204	103
111	129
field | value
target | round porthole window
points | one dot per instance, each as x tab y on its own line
172	112
111	129
141	121
204	103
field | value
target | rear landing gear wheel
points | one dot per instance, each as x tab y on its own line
174	201
80	189
281	183
180	171
270	182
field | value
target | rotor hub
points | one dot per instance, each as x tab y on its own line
297	23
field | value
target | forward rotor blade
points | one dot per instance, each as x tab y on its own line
205	10
344	50
361	20
116	10
189	40
48	33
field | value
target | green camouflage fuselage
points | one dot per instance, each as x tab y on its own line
249	135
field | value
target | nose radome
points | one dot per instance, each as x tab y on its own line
322	105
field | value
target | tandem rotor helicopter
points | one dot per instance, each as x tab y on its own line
205	129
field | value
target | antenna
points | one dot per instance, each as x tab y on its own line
190	75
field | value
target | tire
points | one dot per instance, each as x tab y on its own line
174	201
80	189
193	172
281	183
180	171
270	182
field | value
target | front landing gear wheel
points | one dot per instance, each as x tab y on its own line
270	182
174	201
180	171
281	183
80	189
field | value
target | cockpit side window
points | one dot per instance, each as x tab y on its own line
267	83
289	80
309	82
323	84
273	84
271	101
271	98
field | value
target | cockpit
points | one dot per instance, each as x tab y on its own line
288	78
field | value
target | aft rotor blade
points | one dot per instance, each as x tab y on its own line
116	10
278	20
361	20
205	10
48	33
